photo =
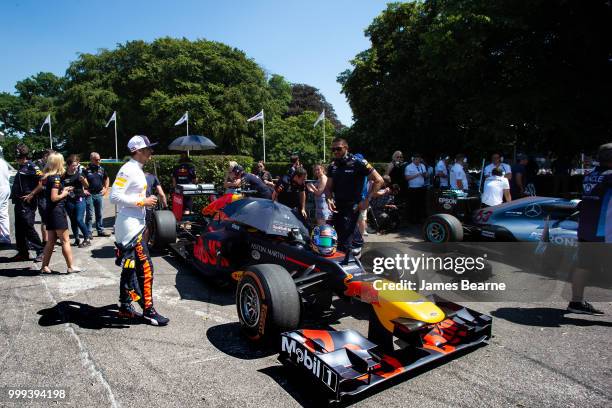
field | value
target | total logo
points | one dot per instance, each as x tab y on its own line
310	362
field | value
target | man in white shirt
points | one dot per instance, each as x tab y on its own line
5	192
129	195
496	162
496	188
442	172
458	178
415	174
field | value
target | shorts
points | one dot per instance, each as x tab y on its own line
363	215
323	213
56	218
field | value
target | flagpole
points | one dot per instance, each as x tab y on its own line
263	124
116	150
50	135
324	147
187	112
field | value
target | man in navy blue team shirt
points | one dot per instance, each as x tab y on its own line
595	220
185	173
98	186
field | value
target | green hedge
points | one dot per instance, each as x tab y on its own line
280	168
209	169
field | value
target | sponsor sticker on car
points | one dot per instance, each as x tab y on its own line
300	356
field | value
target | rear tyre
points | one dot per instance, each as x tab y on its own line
443	228
163	229
267	302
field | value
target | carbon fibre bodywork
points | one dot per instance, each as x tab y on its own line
345	363
523	220
527	219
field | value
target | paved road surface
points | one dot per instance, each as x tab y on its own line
59	331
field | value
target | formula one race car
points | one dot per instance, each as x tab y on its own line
262	246
526	219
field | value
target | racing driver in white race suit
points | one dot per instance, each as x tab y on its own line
129	194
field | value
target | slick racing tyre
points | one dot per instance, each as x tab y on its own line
163	229
443	228
267	302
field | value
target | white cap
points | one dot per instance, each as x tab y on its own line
139	142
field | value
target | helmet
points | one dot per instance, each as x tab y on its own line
323	240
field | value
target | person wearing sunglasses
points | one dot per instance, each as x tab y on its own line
347	175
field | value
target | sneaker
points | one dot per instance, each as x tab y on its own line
39	257
103	234
87	242
82	244
77	243
127	311
583	307
154	318
19	258
90	237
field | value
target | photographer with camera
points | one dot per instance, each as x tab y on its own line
75	203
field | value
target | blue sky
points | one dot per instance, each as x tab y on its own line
306	41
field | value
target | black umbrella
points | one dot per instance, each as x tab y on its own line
266	215
192	142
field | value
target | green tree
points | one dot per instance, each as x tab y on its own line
475	75
151	84
308	98
295	134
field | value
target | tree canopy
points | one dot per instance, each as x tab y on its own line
478	75
150	85
308	98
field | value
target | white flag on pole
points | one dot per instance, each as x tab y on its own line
320	118
46	122
183	119
112	118
259	116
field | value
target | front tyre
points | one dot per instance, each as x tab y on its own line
267	302
163	229
441	228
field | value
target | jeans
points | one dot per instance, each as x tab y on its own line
94	206
76	212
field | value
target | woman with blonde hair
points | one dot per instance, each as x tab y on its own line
57	220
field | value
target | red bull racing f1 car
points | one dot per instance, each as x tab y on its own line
280	274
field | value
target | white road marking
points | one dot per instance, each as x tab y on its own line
88	362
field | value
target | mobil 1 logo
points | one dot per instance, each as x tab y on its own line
309	361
